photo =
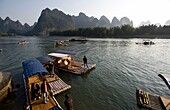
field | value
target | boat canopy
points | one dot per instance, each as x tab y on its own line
66	52
32	67
44	59
59	55
166	78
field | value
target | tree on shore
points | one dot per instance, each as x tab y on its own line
124	31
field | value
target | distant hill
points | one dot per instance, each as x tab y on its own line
167	22
145	23
52	20
56	20
126	21
104	22
8	26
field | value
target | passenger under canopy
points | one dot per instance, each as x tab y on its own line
33	67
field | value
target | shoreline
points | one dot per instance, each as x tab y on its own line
104	37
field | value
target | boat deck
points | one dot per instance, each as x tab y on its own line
166	102
39	105
78	68
58	88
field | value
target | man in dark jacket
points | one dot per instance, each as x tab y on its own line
85	61
68	103
44	90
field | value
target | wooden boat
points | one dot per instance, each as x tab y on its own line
146	42
79	39
151	101
65	63
166	79
23	42
60	43
35	73
5	84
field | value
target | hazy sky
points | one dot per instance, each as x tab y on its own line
28	11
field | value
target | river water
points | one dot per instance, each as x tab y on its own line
122	67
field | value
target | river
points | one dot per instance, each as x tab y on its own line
121	67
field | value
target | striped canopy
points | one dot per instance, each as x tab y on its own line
33	67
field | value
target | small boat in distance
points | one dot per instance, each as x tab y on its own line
23	42
60	43
146	42
78	39
66	63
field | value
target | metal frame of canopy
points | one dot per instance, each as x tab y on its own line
66	52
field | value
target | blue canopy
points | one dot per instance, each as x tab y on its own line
66	52
33	67
44	59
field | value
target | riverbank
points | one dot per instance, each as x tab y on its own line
103	37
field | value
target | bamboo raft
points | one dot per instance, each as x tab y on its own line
72	67
77	69
58	86
150	101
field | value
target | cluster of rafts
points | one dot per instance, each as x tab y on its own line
153	101
34	72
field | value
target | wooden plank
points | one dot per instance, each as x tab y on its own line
40	105
58	86
166	102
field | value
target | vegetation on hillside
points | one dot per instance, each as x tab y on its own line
125	31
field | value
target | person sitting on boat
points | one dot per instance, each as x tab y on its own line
85	61
44	90
50	68
68	103
37	91
33	96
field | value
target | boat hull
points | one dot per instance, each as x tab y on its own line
81	70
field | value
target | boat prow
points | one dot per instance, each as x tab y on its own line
151	101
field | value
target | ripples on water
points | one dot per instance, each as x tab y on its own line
122	67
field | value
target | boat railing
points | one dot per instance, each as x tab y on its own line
5	82
5	88
26	92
